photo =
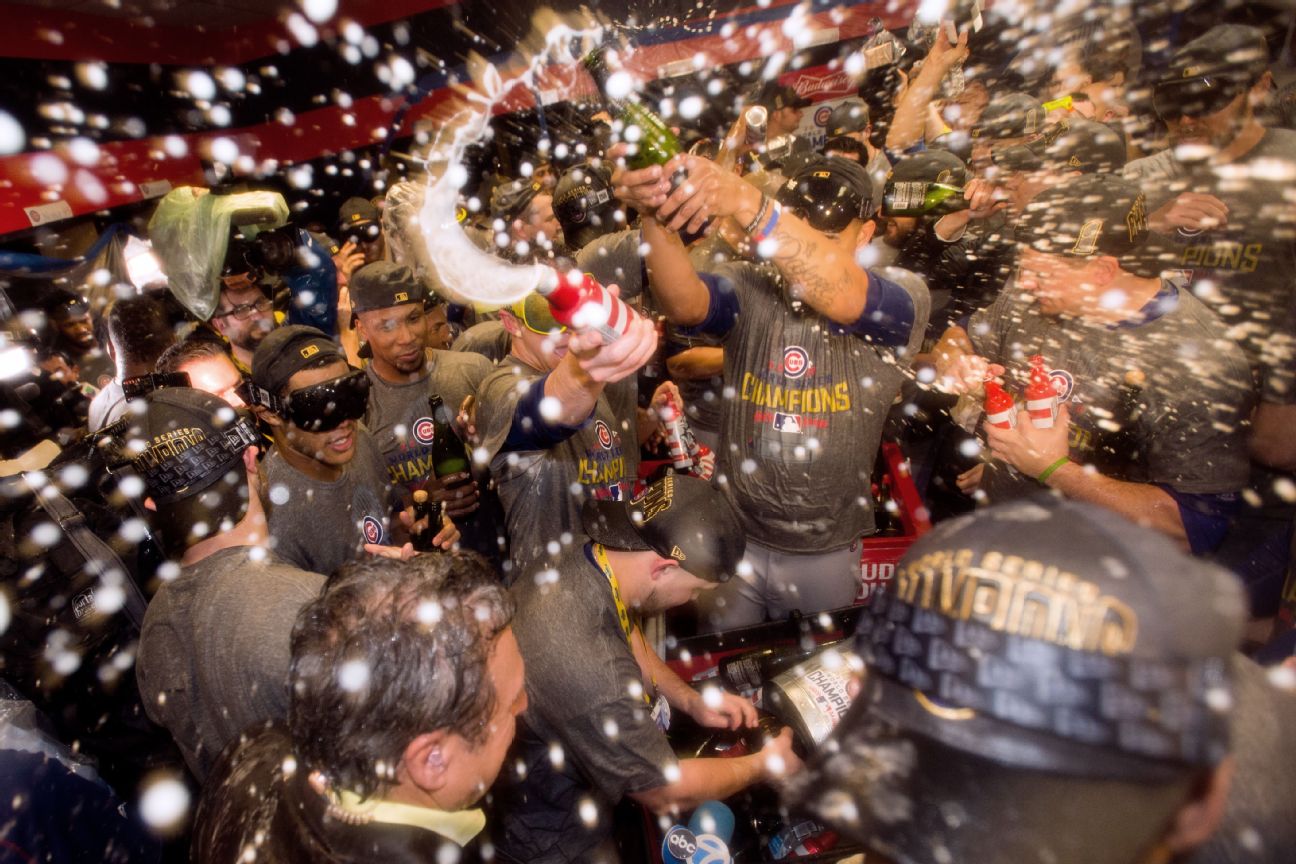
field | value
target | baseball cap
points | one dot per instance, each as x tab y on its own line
357	213
1029	654
1071	144
827	191
383	284
189	440
511	198
1209	72
1013	115
777	96
931	166
850	115
583	203
1096	214
679	517
286	351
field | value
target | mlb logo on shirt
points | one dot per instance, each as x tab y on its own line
424	430
372	530
787	423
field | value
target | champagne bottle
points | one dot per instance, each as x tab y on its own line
448	453
425	507
651	141
920	198
750	670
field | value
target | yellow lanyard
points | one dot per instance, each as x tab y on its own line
623	614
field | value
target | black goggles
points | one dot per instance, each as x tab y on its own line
827	204
319	408
1196	97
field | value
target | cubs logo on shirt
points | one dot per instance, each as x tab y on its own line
372	530
796	361
1063	383
424	430
604	434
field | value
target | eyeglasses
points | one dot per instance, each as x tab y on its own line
244	311
326	406
1195	97
535	315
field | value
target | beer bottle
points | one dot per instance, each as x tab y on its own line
449	456
425	507
651	141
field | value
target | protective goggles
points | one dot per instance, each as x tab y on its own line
535	315
1196	97
141	385
366	233
826	203
319	408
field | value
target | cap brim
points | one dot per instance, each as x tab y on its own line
608	522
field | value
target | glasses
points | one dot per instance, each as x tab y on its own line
244	311
324	407
1195	97
535	315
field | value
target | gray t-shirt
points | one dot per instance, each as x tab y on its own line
1245	270
318	525
542	487
400	419
614	259
487	338
1189	432
580	679
214	649
800	437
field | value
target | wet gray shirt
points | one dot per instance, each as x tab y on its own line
214	649
319	525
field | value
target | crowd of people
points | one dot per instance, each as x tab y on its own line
379	575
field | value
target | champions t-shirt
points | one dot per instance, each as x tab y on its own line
802	432
400	420
318	525
542	472
1245	270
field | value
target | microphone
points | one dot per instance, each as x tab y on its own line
705	840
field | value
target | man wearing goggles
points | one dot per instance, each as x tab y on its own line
1226	217
244	314
558	419
811	349
329	497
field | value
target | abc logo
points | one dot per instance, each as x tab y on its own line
679	844
710	850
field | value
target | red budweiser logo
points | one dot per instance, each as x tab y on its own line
813	85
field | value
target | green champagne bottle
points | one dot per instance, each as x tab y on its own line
651	141
448	453
919	198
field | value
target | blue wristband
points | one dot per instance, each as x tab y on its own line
770	225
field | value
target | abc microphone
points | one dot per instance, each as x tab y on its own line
712	825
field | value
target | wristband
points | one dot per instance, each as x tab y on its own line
769	226
751	227
1048	472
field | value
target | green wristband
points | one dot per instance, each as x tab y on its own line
1048	472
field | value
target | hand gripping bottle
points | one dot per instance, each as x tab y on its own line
578	301
1000	409
1041	395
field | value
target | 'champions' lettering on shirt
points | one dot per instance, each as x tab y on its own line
1224	256
1020	596
814	399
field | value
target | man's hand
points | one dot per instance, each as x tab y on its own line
1191	210
347	260
397	553
964	373
718	709
970	480
1028	449
605	363
458	493
984	198
465	422
445	539
777	757
945	55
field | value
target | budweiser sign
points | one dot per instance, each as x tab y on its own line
832	84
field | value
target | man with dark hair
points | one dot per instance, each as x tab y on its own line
1152	397
814	346
213	652
406	682
208	365
526	227
244	313
1029	700
388	305
329	498
784	106
590	670
850	121
138	333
